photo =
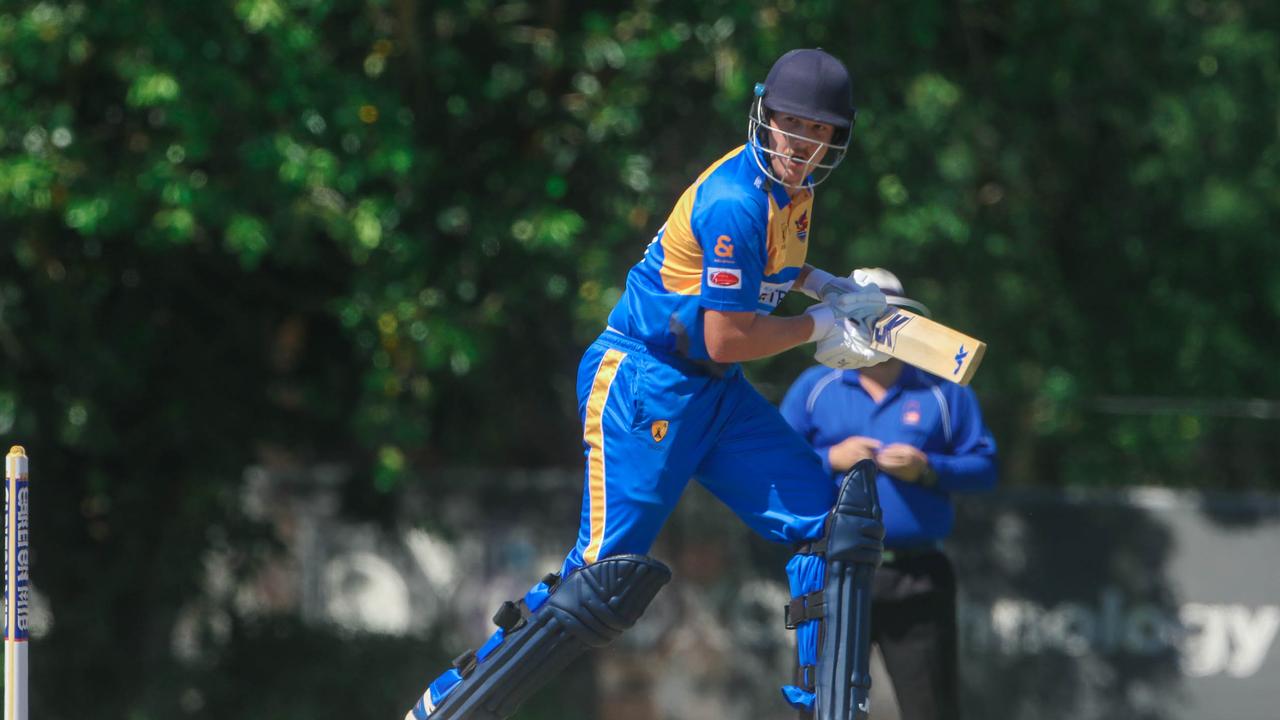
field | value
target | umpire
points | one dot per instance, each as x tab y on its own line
929	441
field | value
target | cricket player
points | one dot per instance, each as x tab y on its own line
927	437
662	400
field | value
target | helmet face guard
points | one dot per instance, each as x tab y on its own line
810	84
758	130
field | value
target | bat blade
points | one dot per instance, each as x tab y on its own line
928	345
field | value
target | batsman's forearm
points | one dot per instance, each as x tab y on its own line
732	337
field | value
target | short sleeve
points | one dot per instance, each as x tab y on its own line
732	234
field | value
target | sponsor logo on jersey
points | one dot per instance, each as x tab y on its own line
727	278
659	430
802	226
771	294
724	246
911	413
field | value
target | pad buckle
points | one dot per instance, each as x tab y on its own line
801	609
512	615
813	547
509	616
466	663
804	677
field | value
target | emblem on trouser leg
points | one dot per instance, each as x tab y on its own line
659	430
830	608
536	638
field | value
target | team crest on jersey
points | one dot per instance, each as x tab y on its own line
911	413
658	430
802	226
727	278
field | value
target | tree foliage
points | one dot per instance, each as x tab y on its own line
381	232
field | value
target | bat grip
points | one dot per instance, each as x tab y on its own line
868	325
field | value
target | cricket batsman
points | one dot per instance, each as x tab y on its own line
663	399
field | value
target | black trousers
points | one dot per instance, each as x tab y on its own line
913	621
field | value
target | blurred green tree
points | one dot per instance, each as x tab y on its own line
381	231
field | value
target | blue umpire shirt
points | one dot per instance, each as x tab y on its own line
941	418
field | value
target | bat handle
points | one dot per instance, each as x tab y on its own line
869	325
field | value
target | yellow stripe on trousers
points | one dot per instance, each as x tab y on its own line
593	433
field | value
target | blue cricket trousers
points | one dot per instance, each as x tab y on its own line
651	421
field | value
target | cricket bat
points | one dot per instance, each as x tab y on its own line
930	346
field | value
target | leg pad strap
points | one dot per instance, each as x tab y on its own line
540	635
831	604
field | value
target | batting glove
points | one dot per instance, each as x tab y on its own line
847	346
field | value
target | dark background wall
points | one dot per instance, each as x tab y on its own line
1143	603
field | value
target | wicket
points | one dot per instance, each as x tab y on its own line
17	582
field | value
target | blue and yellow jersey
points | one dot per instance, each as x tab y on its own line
734	242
